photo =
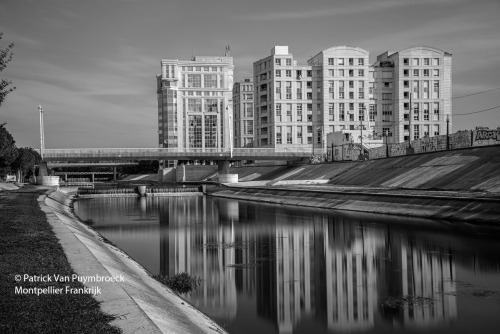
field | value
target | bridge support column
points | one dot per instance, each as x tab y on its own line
224	176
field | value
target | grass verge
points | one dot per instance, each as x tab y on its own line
28	246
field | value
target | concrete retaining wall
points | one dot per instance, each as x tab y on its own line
477	210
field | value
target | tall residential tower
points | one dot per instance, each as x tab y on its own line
195	102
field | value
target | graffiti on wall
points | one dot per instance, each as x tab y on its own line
487	135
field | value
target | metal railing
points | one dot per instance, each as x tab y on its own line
175	153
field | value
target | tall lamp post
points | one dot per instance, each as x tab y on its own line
448	131
42	137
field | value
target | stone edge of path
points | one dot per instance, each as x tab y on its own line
140	303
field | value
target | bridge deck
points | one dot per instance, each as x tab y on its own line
114	154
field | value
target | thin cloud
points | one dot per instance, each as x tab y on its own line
351	8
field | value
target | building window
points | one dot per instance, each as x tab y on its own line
278	73
248	127
309	107
387	109
373	112
331	73
278	112
415	73
426	62
210	130
288	62
406	73
341	73
415	61
351	73
210	80
386	132
288	112
386	96
436	73
211	105
288	134
435	61
406	61
330	61
435	112
341	112
288	91
426	111
299	112
341	61
416	132
278	135
277	61
194	80
361	73
426	73
194	105
194	130
416	90
435	91
436	130
351	61
426	90
361	61
331	112
288	73
416	112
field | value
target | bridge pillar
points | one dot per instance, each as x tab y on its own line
224	176
223	166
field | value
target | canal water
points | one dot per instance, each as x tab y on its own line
281	269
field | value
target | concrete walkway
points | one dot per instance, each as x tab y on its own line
141	304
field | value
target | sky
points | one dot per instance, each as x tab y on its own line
92	64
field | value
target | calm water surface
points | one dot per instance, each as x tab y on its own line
278	269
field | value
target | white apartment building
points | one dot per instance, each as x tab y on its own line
296	105
195	102
412	93
243	113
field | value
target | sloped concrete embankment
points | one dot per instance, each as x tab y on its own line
472	169
467	169
473	210
141	304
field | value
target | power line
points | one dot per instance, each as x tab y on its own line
484	91
476	112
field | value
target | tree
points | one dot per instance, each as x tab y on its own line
5	58
25	162
8	150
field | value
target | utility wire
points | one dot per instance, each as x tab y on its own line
484	91
476	112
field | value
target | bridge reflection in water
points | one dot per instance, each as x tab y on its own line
298	269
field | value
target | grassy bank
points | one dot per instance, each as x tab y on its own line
29	247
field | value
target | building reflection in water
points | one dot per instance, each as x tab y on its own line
332	269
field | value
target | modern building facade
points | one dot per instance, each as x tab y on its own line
297	105
195	102
412	93
243	113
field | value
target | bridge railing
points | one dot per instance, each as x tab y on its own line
152	153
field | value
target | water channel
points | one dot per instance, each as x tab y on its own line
281	269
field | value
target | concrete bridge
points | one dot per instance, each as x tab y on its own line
124	154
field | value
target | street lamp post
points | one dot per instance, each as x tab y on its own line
42	137
447	131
